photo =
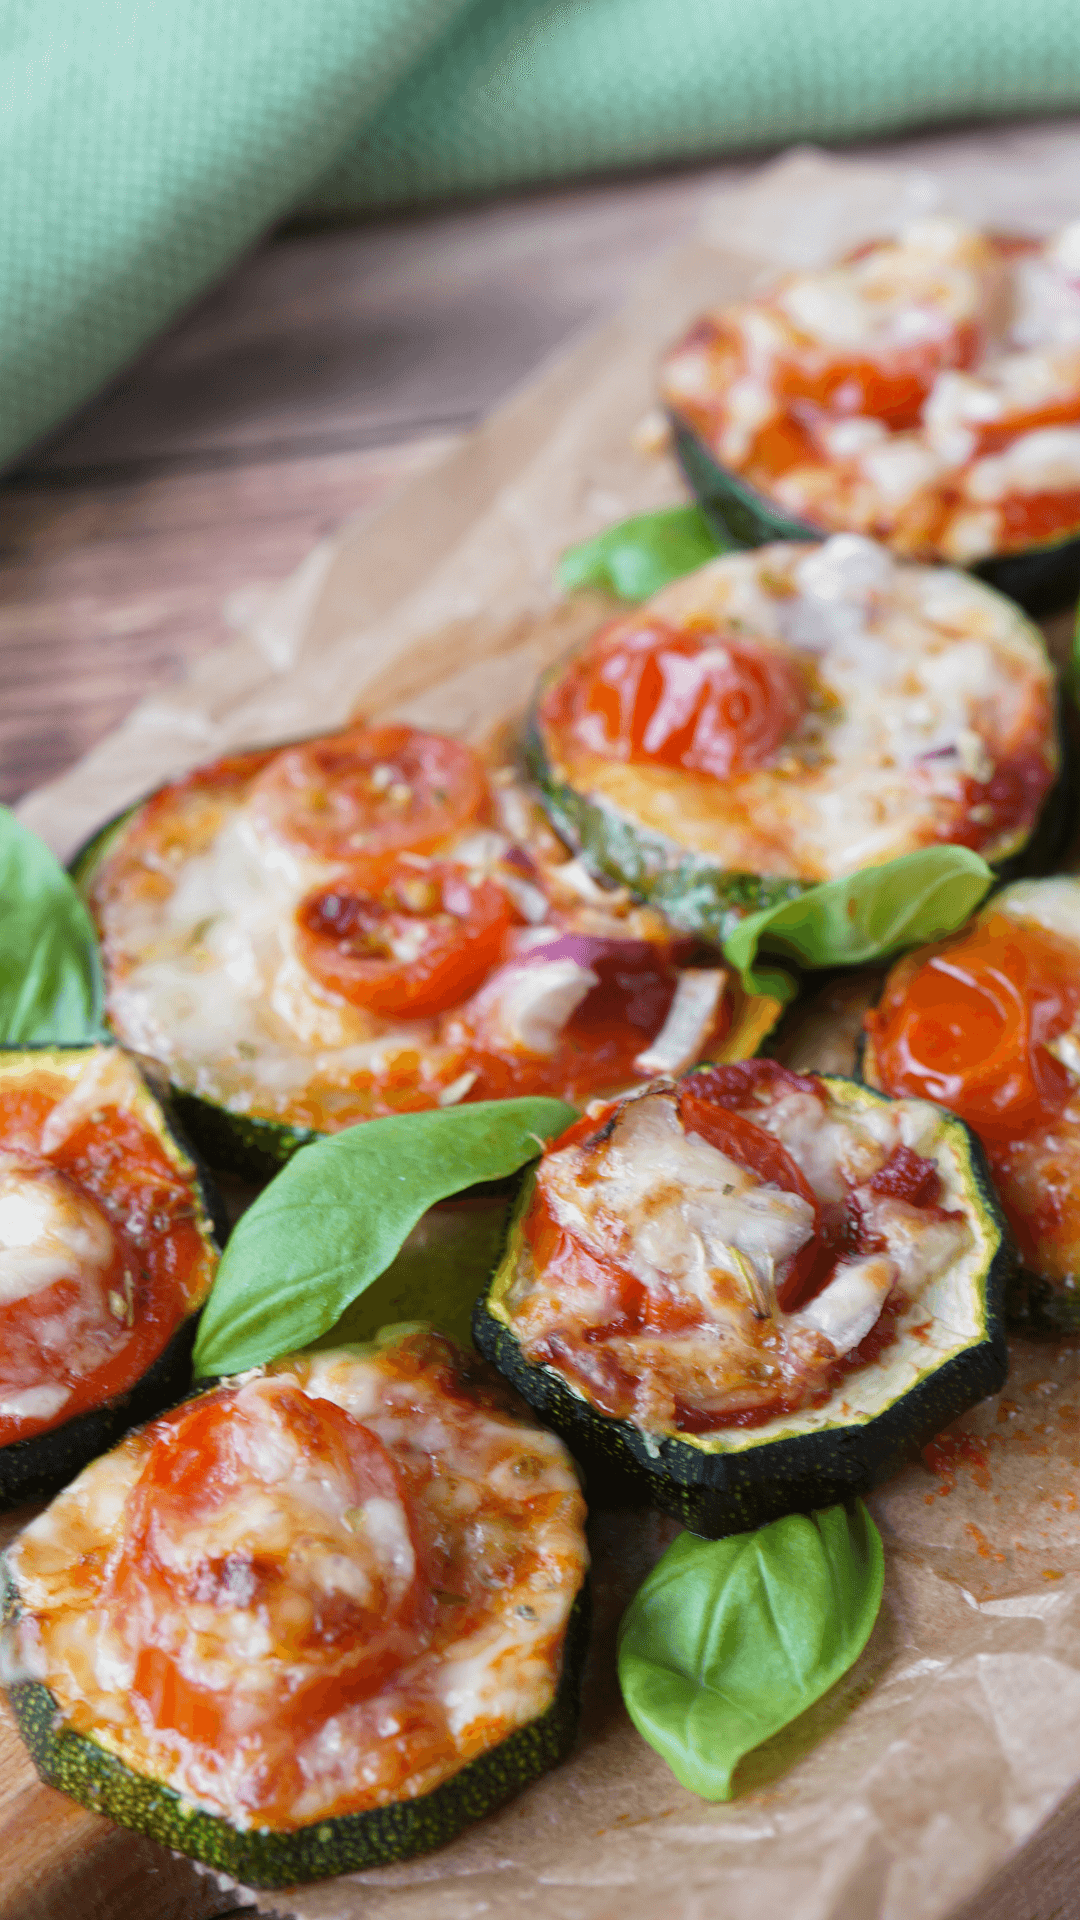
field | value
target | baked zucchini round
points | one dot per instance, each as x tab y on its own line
108	1251
316	1619
752	1292
925	390
988	1024
371	923
791	715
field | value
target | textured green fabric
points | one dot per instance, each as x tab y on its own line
526	90
146	143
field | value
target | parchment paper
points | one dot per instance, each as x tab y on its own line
919	1783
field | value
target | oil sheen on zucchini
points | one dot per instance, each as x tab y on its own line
736	1477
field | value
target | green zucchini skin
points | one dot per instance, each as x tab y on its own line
715	1493
261	1857
710	901
37	1467
1041	579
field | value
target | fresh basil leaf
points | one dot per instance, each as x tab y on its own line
729	1640
637	557
438	1275
864	917
339	1211
50	981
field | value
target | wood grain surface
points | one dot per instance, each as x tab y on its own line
327	371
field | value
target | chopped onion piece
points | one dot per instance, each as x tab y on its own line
526	1007
690	1018
848	1307
457	1089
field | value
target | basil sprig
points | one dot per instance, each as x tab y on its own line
50	980
637	557
338	1213
729	1640
864	917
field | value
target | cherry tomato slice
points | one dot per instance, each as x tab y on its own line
368	794
220	1524
425	943
710	702
749	1145
967	1025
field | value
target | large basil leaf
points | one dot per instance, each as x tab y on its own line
729	1640
50	982
337	1214
864	917
637	557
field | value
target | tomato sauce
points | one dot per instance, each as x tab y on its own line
385	920
608	1306
968	1024
115	1171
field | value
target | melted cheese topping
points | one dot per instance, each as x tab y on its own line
98	1261
930	694
489	1511
863	395
704	1237
197	907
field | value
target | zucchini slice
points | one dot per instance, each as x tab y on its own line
370	923
752	1292
316	1619
108	1250
1042	578
988	1023
880	396
790	715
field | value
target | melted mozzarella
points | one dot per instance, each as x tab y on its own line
49	1231
204	974
672	1209
488	1491
938	291
693	1226
922	679
1047	461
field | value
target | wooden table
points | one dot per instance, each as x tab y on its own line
329	368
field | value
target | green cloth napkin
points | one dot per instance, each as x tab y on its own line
144	144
